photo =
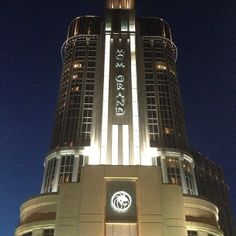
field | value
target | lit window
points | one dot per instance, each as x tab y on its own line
173	72
188	174
168	130
77	65
173	170
160	66
66	169
75	89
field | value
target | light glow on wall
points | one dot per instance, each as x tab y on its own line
103	156
120	4
135	117
114	145
132	24
125	144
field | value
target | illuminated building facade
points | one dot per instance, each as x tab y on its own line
119	161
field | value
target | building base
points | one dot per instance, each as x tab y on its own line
118	200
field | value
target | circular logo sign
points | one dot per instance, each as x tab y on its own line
121	201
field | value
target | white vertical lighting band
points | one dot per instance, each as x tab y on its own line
135	117
114	145
103	156
125	131
44	177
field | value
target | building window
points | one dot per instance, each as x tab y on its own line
160	66
173	170
188	174
27	234
192	233
66	169
168	130
50	172
77	65
48	232
157	161
81	163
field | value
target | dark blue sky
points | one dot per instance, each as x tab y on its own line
32	33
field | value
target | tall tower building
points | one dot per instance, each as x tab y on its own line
119	161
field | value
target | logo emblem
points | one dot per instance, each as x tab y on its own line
121	201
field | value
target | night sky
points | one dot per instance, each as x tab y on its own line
32	33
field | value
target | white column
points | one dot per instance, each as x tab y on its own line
135	115
103	157
114	144
125	140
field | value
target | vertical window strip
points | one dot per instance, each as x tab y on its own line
51	167
188	174
48	232
173	170
81	163
66	169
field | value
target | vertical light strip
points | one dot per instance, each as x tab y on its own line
75	29
125	139
132	24
135	117
105	100
114	145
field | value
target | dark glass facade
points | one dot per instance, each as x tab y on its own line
164	107
212	186
75	101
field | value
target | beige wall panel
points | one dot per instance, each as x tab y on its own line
38	232
120	171
69	199
176	231
152	229
121	229
172	202
93	188
149	191
172	205
66	231
68	210
90	229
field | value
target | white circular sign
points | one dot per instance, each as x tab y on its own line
121	201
